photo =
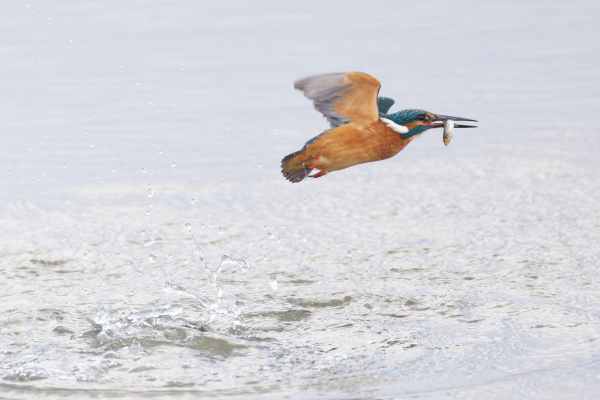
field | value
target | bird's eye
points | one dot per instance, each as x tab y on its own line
421	117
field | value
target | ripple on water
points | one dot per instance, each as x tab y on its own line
464	272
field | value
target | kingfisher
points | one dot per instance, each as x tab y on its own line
361	131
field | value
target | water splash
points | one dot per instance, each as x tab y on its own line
27	374
273	281
238	318
243	264
225	259
109	329
215	307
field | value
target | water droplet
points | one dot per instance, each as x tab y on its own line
64	165
212	316
84	256
131	292
349	254
270	236
173	164
193	200
169	287
92	145
228	127
147	213
305	240
143	170
160	152
152	258
150	193
188	226
114	170
144	231
260	165
240	304
243	264
212	279
220	231
273	281
169	256
149	242
225	259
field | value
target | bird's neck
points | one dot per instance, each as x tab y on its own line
401	118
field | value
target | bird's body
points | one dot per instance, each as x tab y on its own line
360	132
348	145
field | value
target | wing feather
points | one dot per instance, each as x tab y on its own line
342	98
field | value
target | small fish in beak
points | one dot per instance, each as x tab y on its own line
448	128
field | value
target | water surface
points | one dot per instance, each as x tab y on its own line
467	271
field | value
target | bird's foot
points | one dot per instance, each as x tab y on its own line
320	174
315	165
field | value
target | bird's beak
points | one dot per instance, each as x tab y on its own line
439	120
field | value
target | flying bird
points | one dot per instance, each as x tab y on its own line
361	130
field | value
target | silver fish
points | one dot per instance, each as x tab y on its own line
448	128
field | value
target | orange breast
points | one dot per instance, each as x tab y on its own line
356	143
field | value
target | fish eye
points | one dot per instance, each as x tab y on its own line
421	117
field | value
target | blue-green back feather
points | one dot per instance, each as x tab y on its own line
315	138
384	104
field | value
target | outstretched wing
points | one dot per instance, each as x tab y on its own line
384	104
343	98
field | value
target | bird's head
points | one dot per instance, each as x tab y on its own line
418	121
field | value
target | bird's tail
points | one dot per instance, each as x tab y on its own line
293	176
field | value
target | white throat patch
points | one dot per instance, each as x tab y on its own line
394	126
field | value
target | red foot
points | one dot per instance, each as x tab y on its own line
316	164
320	174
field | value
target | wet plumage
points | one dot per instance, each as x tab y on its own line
361	130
